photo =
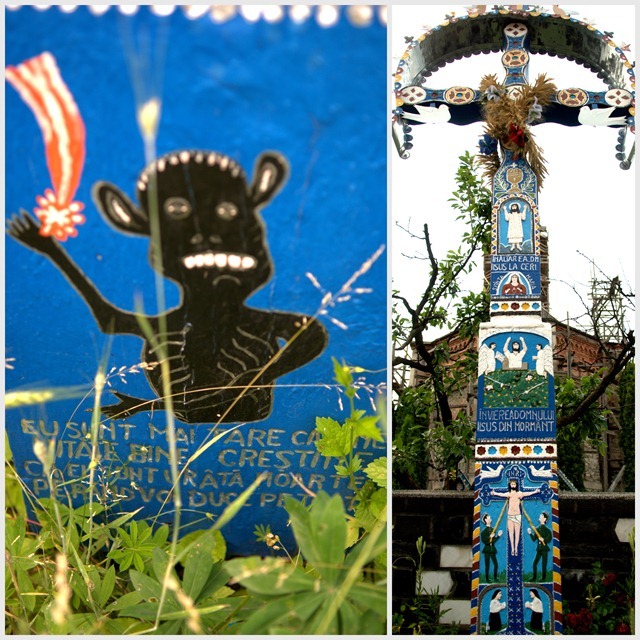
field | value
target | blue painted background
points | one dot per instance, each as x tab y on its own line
317	95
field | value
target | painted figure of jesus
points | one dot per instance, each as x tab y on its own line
515	233
516	354
514	514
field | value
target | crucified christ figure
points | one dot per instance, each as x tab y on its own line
514	515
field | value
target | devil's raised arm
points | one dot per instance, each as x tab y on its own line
110	319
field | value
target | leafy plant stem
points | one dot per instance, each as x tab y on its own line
154	225
352	439
350	579
99	382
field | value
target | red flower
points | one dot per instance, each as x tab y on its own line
515	450
580	622
571	620
481	451
517	135
622	628
609	579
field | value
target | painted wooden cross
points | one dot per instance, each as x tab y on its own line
516	559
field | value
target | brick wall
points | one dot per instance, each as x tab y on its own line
593	527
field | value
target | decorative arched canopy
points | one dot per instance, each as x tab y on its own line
482	31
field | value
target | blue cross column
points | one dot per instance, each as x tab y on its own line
516	570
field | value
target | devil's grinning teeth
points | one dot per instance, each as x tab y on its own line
232	261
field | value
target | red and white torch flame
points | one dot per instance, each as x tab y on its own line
40	85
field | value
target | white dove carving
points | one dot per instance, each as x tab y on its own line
599	117
540	473
429	115
491	473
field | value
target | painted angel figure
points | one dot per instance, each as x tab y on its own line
487	358
544	360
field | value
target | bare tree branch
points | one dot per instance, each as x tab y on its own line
626	354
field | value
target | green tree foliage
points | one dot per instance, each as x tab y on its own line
626	394
443	305
421	443
588	427
425	432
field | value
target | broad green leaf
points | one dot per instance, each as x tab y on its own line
377	471
171	628
121	626
25	586
161	535
198	565
377	538
151	590
369	596
348	618
365	427
214	587
349	469
124	560
329	529
284	614
342	374
160	562
353	532
89	624
374	623
142	610
335	441
269	576
79	586
107	586
219	550
127	540
138	562
183	614
264	619
378	504
322	620
127	600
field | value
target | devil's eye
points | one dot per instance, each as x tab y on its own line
227	210
177	208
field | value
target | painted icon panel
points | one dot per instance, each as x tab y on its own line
182	220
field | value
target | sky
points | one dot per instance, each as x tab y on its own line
587	202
